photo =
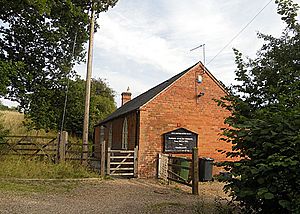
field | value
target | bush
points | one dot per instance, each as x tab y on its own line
264	127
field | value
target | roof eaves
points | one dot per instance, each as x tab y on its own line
172	79
214	78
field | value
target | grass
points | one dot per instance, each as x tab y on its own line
34	176
21	167
22	186
215	206
17	167
14	122
15	170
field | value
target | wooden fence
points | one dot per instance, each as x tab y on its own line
71	150
179	169
55	148
30	146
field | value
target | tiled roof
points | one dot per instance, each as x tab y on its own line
140	100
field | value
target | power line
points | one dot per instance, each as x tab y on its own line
67	90
239	32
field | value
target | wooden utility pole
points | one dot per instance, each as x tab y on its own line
85	147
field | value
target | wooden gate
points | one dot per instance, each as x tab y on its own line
56	148
30	146
122	162
180	170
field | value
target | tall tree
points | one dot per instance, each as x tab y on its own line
36	43
264	127
47	112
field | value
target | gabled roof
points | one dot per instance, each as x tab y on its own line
140	100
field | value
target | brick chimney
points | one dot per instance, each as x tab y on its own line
126	96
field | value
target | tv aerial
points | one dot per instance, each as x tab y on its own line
203	49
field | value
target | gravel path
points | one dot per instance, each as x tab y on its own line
110	196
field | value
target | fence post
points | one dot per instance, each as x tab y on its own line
57	148
61	147
135	161
195	172
102	163
108	161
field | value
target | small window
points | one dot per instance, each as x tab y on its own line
110	136
125	134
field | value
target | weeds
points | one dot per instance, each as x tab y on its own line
216	206
14	122
199	207
37	186
17	167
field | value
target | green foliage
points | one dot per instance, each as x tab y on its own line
7	68
265	123
18	167
101	105
36	48
46	112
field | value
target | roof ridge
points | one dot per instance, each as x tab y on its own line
144	97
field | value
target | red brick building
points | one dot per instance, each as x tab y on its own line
183	101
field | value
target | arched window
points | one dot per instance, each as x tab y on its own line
125	134
110	136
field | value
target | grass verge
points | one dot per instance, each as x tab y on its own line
15	170
21	186
17	167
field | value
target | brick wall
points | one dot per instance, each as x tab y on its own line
178	106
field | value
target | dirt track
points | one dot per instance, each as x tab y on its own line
113	196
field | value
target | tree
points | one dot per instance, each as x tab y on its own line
101	105
264	126
36	44
47	112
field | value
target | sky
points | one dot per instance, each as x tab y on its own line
143	43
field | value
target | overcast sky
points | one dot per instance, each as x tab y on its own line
142	43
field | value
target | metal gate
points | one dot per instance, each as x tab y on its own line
122	162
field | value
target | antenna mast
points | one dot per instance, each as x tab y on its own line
203	49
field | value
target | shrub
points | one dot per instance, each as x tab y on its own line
264	127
